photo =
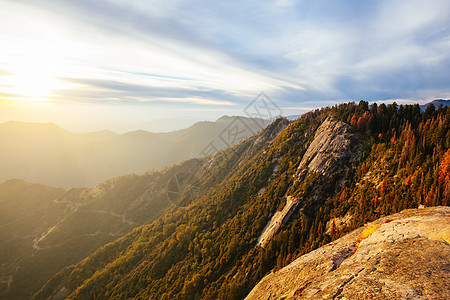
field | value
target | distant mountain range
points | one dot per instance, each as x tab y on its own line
436	104
48	154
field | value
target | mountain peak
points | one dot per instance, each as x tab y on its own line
436	103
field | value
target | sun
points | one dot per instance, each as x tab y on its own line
33	77
33	83
32	87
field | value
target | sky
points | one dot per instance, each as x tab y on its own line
161	65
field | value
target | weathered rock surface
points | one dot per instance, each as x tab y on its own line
331	145
277	220
402	256
332	142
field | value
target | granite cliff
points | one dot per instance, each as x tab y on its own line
332	144
401	256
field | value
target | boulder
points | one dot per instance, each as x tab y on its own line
402	256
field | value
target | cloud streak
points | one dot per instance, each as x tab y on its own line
200	56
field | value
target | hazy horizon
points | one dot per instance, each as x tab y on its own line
117	65
120	126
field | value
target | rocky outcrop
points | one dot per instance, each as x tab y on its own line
332	142
272	131
402	256
277	220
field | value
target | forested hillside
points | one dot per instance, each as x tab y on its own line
393	157
44	229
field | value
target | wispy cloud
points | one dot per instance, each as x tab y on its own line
200	56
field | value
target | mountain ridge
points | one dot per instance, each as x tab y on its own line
207	247
42	152
436	103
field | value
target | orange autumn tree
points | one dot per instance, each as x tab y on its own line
444	177
383	186
353	120
363	120
375	202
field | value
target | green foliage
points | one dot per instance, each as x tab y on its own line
208	250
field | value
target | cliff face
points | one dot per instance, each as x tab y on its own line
277	220
331	144
402	256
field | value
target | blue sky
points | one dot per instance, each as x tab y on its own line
120	64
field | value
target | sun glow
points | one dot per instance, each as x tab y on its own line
31	86
33	71
33	79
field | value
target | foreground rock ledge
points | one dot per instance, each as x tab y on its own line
402	256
